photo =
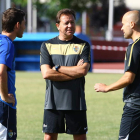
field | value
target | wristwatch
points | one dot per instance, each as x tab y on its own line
57	67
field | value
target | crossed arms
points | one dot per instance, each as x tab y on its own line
65	73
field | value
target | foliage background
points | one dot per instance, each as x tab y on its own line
97	11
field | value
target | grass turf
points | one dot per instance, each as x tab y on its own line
103	109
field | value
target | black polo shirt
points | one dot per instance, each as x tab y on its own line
131	93
65	95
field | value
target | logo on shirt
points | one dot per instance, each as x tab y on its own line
85	128
76	48
10	133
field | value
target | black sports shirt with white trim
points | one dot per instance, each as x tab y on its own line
65	95
131	92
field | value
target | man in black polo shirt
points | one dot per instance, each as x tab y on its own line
130	81
65	60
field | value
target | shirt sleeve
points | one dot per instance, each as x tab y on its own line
86	53
6	53
133	59
45	57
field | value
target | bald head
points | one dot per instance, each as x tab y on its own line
133	16
131	25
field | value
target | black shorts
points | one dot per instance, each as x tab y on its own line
130	124
62	121
8	130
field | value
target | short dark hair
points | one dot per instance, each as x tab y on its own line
10	17
65	12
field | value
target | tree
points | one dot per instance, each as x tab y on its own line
51	7
97	10
22	3
99	14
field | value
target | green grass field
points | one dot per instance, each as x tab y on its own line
104	110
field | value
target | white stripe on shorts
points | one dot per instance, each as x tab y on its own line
3	132
125	138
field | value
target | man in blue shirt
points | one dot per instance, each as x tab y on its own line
13	25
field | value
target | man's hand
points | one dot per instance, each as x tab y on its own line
99	87
53	68
80	62
10	99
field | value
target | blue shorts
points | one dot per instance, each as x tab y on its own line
8	130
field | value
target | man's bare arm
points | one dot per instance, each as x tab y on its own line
49	73
125	80
4	87
75	71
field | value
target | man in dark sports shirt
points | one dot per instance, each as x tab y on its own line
65	60
130	81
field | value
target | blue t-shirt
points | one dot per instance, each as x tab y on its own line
7	57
